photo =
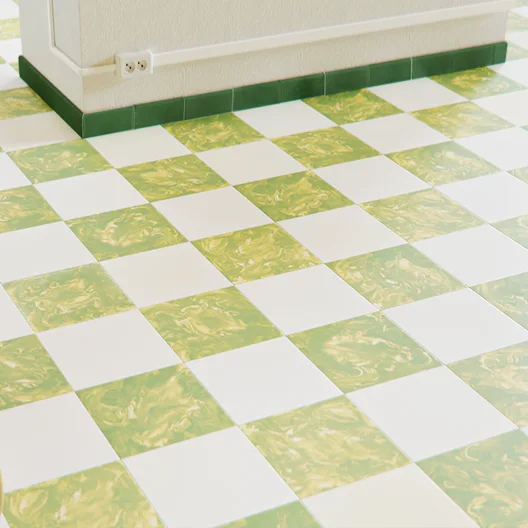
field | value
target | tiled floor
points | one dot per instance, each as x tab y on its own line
309	315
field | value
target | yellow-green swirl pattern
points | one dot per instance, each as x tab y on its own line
24	207
421	214
509	295
213	132
500	377
489	480
153	410
350	107
321	148
103	497
27	373
60	160
516	229
443	163
323	446
168	178
210	323
21	102
461	119
522	174
395	276
126	231
67	297
515	52
293	195
256	253
363	351
9	28
481	82
292	515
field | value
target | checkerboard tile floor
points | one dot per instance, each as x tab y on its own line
309	315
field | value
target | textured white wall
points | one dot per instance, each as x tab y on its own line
67	28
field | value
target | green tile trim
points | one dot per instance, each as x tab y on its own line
303	87
209	104
159	112
347	80
252	96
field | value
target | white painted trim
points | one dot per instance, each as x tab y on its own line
304	37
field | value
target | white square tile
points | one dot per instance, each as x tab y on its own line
90	194
138	146
305	299
49	439
516	70
261	380
3	522
285	119
477	255
209	480
341	233
520	38
9	78
494	197
523	11
401	498
10	175
395	133
34	131
39	250
511	106
10	49
417	94
211	213
107	349
457	325
12	323
431	412
371	179
165	274
250	162
506	149
8	9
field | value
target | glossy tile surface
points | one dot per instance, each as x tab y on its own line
307	315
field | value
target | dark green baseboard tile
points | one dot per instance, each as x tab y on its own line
204	105
159	112
347	80
253	96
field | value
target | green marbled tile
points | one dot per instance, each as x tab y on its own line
256	253
168	178
293	515
207	133
102	497
68	296
60	160
210	323
328	146
27	373
461	119
350	107
9	28
481	82
21	102
323	446
515	52
126	231
500	377
24	207
363	351
522	174
516	229
517	22
153	410
421	214
510	295
488	480
442	163
395	276
293	195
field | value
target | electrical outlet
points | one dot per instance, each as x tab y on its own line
132	65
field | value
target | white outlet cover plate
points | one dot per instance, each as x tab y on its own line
128	65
